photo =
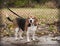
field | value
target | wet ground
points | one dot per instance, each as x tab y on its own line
40	41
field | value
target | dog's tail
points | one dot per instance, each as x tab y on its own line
9	19
7	16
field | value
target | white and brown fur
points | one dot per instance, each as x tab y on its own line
29	25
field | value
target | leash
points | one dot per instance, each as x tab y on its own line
14	12
11	10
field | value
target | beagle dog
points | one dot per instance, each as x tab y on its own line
21	24
31	26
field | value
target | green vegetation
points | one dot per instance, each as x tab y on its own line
32	3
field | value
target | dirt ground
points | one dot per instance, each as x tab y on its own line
40	41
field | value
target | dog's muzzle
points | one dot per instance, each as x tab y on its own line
30	21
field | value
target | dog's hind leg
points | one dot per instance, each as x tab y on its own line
20	34
16	32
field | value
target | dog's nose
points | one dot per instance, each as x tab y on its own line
30	21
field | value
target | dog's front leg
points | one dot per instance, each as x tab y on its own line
28	35
33	35
16	32
33	32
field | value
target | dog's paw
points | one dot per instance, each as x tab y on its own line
21	38
33	39
28	40
16	38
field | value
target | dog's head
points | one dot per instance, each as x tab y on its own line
32	20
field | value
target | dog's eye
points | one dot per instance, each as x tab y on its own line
32	18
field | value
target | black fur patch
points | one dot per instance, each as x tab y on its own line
21	23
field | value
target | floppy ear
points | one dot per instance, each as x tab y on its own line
27	21
26	24
36	21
